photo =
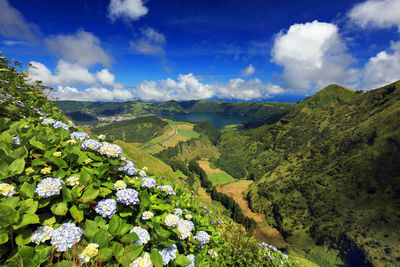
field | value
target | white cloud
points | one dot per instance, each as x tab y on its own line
376	13
69	74
151	42
91	94
248	71
312	54
384	68
126	9
14	25
82	47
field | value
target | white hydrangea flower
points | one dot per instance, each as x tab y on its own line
202	237
147	215
42	234
49	187
185	228
72	181
7	190
110	150
89	252
143	235
171	220
143	261
119	185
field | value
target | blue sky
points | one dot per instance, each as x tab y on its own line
116	50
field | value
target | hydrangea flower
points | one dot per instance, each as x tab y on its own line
143	235
72	142
57	154
143	261
128	168
119	185
213	254
148	182
47	121
72	181
178	211
46	170
65	236
91	144
168	254
110	150
102	137
188	216
16	140
89	252
106	207
142	173
42	234
127	196
185	228
78	135
49	187
147	215
202	237
171	220
7	190
192	259
167	189
59	124
29	171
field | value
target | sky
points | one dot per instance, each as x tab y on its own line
236	50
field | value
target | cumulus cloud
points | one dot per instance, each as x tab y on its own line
14	25
82	47
384	68
151	42
126	9
312	55
69	74
376	13
248	71
91	94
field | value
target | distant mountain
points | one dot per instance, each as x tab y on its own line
328	174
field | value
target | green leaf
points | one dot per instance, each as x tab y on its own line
26	219
90	228
66	193
37	162
47	219
3	236
23	237
42	253
104	192
130	238
101	238
117	249
17	166
60	163
34	142
8	215
85	176
28	206
76	213
105	254
114	224
156	258
131	252
27	190
20	152
89	194
60	208
182	260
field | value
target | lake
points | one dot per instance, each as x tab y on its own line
218	120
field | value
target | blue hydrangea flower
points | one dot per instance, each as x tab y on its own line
102	137
47	121
192	259
106	207
91	144
185	228
128	168
65	236
168	254
16	140
127	196
143	235
110	150
42	234
148	182
78	135
59	124
167	189
143	261
178	211
202	237
49	187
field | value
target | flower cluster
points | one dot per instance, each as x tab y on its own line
213	254
202	237
142	173
42	234
168	254
128	168
79	135
119	185
57	154
171	220
46	170
91	144
16	140
102	137
192	259
47	121
106	207
167	189
185	228
147	215
142	233
72	142
59	124
72	181
7	190
89	252
148	182
110	150
143	261
65	236
49	187
188	216
127	196
29	171
178	211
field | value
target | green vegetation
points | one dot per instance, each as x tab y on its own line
137	130
220	178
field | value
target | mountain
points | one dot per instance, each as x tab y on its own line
327	175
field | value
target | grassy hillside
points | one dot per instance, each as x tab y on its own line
328	175
140	129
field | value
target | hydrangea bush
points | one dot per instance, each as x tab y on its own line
67	198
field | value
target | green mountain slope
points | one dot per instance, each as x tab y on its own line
328	173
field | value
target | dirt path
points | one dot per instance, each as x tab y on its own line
266	234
